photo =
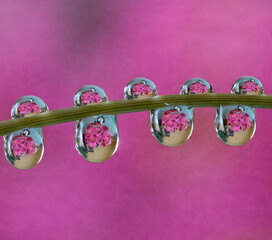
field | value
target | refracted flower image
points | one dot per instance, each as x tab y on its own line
238	120
250	86
197	88
173	121
90	97
97	135
28	107
22	145
141	89
247	85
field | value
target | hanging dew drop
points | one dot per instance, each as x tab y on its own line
96	141
235	125
171	126
23	150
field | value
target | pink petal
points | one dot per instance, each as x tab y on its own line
235	128
169	128
23	150
17	151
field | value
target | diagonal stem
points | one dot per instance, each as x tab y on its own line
135	105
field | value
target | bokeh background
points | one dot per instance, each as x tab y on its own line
202	189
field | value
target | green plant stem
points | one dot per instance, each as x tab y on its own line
135	105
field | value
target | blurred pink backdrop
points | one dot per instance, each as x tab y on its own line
202	189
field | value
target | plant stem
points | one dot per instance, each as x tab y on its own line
134	105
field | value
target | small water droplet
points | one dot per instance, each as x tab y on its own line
235	125
196	86
28	106
247	86
140	88
89	94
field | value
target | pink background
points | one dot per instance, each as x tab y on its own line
202	189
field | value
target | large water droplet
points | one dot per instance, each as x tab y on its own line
235	125
140	88
172	126
248	86
96	137
24	148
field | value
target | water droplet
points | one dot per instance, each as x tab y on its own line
24	151
247	86
28	106
140	88
196	86
172	126
88	95
235	125
96	141
96	137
